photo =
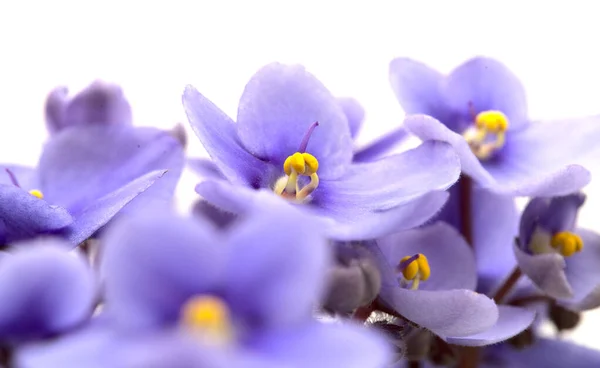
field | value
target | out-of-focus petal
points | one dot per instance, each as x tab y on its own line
45	290
26	176
392	181
326	346
511	321
355	113
486	84
278	106
280	258
206	168
380	146
98	213
217	133
24	215
153	264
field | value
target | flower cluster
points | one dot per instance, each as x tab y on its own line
300	249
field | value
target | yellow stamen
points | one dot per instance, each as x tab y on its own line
296	165
208	316
489	123
36	193
566	243
416	270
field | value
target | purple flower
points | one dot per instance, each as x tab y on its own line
483	111
45	291
87	173
562	260
429	277
181	293
276	146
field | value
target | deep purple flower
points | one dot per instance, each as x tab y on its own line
277	123
87	172
562	260
45	290
483	113
180	293
429	277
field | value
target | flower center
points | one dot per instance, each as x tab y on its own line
487	135
413	269
565	243
34	192
208	317
296	166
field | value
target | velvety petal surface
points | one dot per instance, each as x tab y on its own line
217	133
82	164
279	104
45	290
445	303
500	178
391	181
511	321
487	84
583	272
23	215
548	353
327	345
355	113
99	212
153	264
547	271
278	265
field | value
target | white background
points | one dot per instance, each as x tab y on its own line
153	49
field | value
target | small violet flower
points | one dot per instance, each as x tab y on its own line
561	259
483	113
87	172
429	277
293	139
180	293
45	291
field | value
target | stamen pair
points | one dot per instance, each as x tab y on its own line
488	134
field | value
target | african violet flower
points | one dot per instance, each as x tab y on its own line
483	113
292	139
562	260
180	293
45	291
88	171
429	277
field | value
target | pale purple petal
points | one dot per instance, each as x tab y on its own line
26	176
326	346
546	271
278	106
488	85
380	146
393	180
280	262
450	258
217	133
99	212
355	113
81	164
22	215
206	168
374	224
45	290
511	321
583	272
153	264
230	197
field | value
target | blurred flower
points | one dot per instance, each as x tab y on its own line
180	293
292	139
562	260
483	114
429	277
45	291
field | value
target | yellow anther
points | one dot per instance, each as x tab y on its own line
566	243
209	317
36	193
298	164
493	121
417	270
294	162
312	164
